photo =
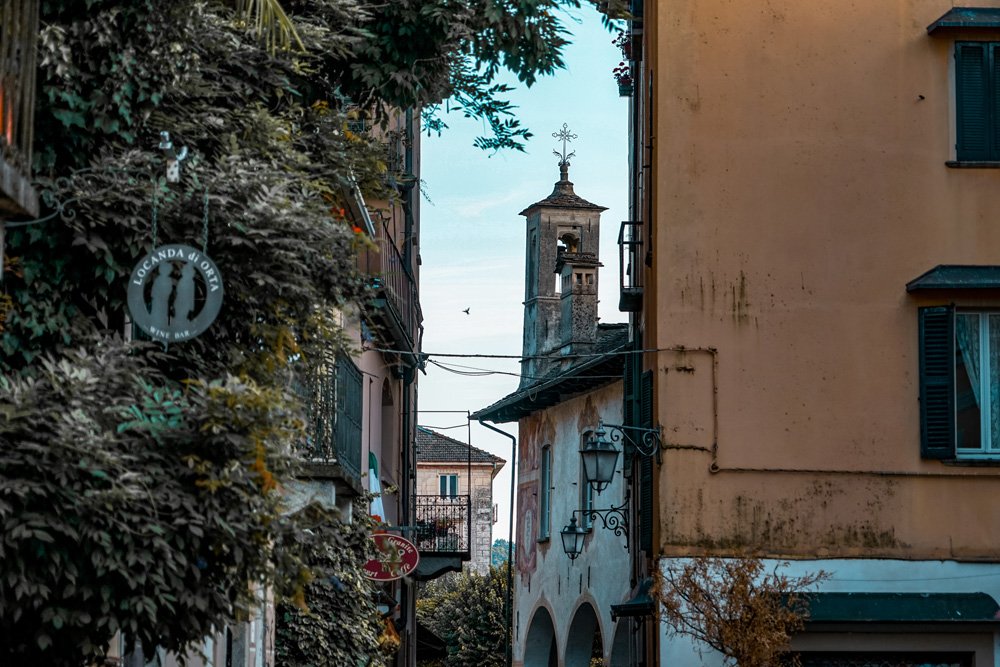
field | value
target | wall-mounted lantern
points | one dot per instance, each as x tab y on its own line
572	539
599	457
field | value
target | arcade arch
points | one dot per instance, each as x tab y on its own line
540	648
584	640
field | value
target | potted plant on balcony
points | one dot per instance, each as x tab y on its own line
624	42
623	75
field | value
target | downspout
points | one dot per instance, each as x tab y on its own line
510	540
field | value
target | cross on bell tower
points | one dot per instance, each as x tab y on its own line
566	136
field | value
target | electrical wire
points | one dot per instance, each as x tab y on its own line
518	356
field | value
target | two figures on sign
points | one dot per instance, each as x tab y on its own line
163	287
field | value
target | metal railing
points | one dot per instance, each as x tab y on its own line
394	283
333	431
18	42
443	524
630	256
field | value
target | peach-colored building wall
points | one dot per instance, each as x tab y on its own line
800	182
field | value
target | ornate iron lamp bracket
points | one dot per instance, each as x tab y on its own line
612	518
647	443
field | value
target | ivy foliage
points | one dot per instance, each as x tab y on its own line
467	610
336	623
126	506
140	486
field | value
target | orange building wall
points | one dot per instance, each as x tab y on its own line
800	183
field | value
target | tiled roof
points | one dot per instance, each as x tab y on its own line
432	447
603	366
563	197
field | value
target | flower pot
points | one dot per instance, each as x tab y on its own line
625	89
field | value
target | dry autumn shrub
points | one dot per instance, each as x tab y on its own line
736	606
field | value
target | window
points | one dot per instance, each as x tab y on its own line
977	101
586	490
448	485
960	383
544	494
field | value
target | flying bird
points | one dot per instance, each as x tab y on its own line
466	311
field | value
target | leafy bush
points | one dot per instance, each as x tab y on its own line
467	610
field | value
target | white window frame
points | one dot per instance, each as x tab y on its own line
446	483
586	490
986	406
545	494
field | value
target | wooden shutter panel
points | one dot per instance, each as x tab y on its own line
646	496
972	97
937	382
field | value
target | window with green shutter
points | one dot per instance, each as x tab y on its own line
977	101
959	383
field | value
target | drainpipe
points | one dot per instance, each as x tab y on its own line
510	540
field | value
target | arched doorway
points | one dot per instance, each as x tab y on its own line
584	640
620	645
540	648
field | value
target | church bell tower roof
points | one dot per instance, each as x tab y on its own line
562	194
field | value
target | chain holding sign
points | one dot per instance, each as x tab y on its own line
175	293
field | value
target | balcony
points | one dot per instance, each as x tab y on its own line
443	534
18	40
630	256
396	304
334	404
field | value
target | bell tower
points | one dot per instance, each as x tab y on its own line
561	223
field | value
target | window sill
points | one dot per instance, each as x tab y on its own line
542	540
973	463
967	164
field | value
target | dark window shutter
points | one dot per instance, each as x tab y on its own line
937	382
646	467
628	389
972	100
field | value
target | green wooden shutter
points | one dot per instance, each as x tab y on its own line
630	412
937	382
646	496
972	100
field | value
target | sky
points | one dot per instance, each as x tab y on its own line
472	241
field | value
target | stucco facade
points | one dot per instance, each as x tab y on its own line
558	602
794	168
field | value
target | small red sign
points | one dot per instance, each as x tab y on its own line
397	557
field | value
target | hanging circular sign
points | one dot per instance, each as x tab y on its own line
397	557
175	293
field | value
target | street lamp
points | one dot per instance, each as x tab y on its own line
600	455
572	539
599	458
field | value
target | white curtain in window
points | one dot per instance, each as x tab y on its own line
967	333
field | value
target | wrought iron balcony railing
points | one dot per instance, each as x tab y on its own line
18	40
443	525
630	254
333	432
397	301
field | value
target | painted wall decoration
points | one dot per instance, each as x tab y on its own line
175	293
527	528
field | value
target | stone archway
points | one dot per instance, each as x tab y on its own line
584	640
620	644
540	648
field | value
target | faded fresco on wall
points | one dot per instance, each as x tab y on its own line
527	528
534	431
588	416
